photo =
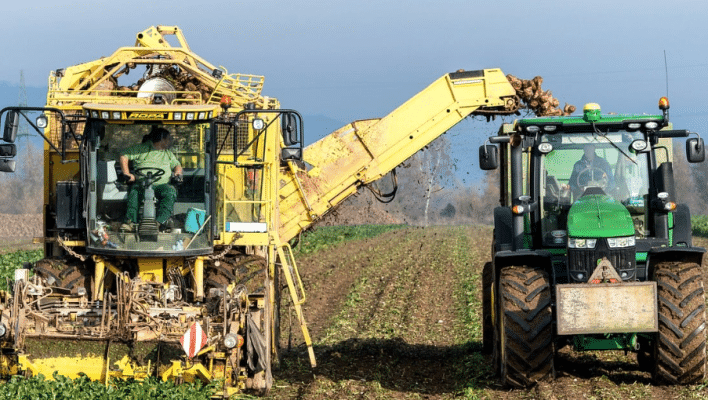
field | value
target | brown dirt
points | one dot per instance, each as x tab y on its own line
17	231
387	319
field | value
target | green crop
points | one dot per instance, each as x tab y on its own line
82	388
699	225
11	261
327	236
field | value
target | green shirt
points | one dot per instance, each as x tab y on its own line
146	155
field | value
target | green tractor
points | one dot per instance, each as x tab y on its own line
591	248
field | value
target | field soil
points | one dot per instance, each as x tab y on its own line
398	316
17	231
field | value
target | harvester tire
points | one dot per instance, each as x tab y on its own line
525	326
67	275
680	345
248	271
487	322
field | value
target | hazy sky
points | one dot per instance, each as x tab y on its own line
361	59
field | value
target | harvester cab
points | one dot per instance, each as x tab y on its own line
588	232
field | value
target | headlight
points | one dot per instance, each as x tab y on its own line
42	121
177	116
116	114
258	124
651	125
232	340
627	241
545	148
3	330
575	243
105	114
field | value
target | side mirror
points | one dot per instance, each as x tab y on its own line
7	165
8	150
488	157
695	151
12	124
288	124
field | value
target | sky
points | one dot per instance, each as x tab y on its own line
349	60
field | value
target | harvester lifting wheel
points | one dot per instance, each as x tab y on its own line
680	346
71	275
525	329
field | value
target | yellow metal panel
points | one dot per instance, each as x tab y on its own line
150	269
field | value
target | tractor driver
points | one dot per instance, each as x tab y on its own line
590	168
153	155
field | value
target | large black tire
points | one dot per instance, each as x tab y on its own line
487	322
680	348
525	326
70	275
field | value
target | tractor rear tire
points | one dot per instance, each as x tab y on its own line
487	322
680	346
525	326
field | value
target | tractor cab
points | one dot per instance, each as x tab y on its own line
158	211
591	187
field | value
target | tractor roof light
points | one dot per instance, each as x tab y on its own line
651	125
664	103
532	128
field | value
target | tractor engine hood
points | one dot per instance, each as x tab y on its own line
598	216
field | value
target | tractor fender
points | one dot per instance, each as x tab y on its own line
675	253
532	258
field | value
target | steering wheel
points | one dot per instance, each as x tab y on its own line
592	173
149	174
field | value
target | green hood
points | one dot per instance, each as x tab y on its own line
599	215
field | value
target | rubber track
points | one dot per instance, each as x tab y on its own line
681	342
528	326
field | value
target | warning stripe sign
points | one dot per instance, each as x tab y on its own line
193	340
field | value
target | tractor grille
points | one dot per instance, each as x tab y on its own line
584	261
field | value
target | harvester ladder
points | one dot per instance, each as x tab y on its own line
297	293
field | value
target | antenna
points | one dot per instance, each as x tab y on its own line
22	102
666	68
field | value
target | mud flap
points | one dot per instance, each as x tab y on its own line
629	307
256	348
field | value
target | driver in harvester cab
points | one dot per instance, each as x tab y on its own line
590	170
151	156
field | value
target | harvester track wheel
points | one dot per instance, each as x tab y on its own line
525	326
680	346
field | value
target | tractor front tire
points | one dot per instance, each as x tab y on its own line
525	326
680	345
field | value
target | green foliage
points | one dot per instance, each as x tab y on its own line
323	237
82	388
11	261
699	224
